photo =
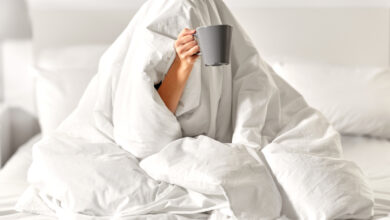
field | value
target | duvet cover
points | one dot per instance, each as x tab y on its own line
242	144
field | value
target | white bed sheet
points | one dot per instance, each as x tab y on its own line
372	155
13	183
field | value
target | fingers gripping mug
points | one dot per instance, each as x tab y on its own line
215	44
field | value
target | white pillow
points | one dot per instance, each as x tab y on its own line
62	74
15	170
17	84
356	100
84	56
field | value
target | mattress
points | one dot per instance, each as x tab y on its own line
371	154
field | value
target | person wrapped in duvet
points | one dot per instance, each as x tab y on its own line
237	143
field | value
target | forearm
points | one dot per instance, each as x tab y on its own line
173	84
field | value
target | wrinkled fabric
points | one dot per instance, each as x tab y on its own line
242	143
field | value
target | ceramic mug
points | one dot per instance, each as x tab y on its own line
215	44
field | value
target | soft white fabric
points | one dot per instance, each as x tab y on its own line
13	181
85	56
354	99
15	170
62	74
207	156
13	178
372	155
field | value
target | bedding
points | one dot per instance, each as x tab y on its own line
13	177
373	156
13	182
242	144
354	99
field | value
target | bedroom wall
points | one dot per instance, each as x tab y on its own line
309	3
361	28
350	36
351	32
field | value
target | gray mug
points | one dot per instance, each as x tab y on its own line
215	43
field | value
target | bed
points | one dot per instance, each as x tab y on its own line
63	65
361	150
356	148
14	181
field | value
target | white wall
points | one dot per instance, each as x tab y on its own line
351	36
360	27
309	3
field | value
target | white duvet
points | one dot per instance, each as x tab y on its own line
242	144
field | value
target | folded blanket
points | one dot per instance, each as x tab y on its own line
242	143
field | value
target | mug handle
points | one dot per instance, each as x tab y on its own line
196	36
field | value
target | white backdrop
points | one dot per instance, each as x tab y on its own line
341	32
351	36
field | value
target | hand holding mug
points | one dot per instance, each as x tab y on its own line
187	47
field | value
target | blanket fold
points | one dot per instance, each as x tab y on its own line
242	144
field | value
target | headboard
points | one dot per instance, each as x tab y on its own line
334	33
